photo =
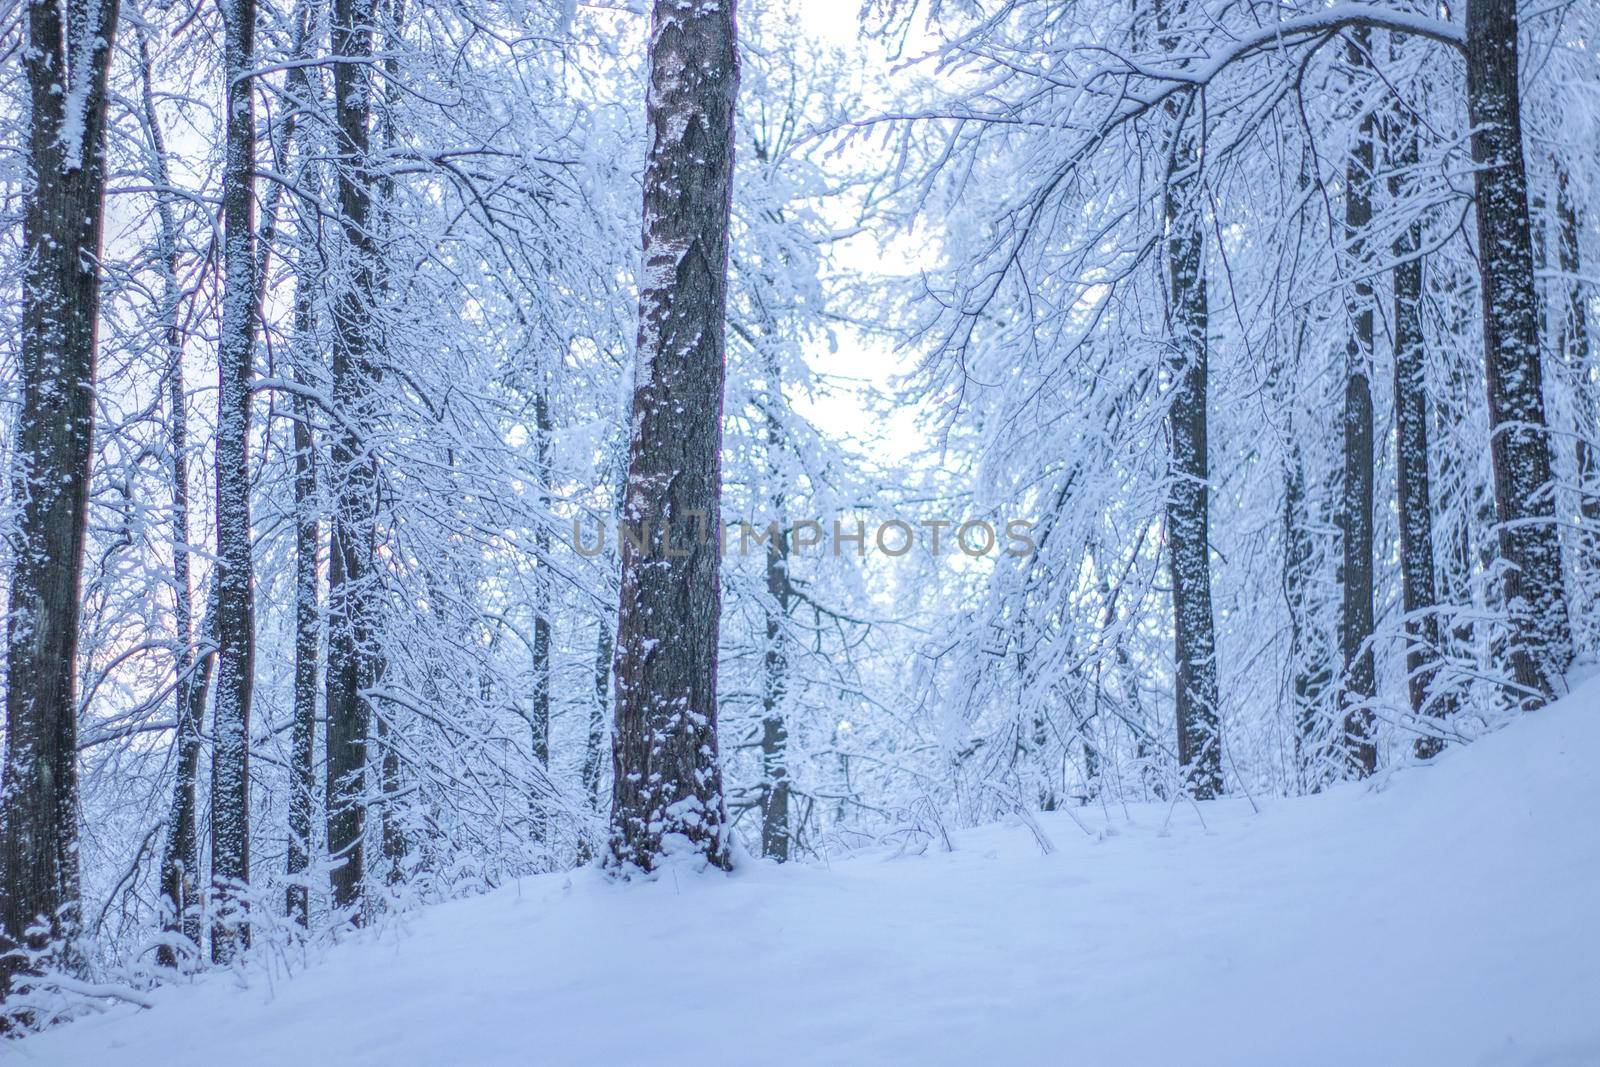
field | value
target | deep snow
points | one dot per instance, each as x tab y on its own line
1447	914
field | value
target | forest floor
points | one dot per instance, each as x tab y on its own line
1447	914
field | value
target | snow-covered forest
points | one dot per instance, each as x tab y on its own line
692	475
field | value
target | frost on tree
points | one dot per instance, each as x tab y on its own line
667	794
1535	587
230	753
66	60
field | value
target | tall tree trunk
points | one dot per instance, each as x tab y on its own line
1355	523
667	791
230	751
180	857
1535	588
308	534
1188	509
395	845
1412	486
54	444
351	593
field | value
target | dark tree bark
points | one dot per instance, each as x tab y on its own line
1535	588
667	794
395	844
598	710
1355	522
54	444
230	751
307	540
774	728
351	667
1188	509
539	722
180	859
1412	486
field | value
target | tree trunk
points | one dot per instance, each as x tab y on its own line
1412	486
180	859
1355	521
540	717
598	710
308	535
1309	674
351	593
1188	496
1576	350
395	845
230	751
1535	589
54	444
667	794
774	728
181	853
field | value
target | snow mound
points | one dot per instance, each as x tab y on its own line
1447	914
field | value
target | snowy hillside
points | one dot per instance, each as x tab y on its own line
1441	915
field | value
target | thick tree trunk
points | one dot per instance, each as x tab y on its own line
351	593
54	444
1412	492
1355	521
1188	504
230	751
1535	588
667	795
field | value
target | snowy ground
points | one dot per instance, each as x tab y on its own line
1447	915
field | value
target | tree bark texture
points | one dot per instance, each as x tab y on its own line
667	795
1540	648
352	596
54	444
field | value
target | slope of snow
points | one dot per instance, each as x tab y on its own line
1449	914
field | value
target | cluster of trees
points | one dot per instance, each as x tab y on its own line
303	646
1182	244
